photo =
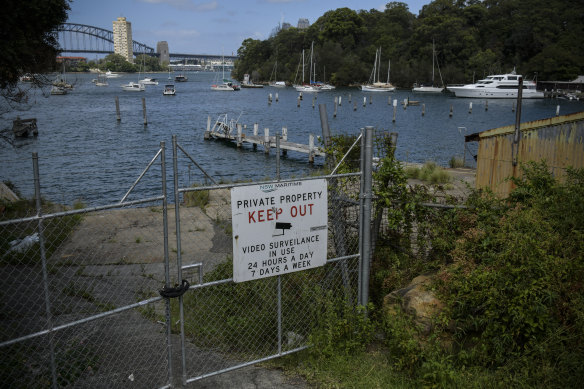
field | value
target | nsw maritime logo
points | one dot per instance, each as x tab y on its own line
267	188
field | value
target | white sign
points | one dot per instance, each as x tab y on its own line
278	228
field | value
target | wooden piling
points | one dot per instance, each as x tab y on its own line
370	99
298	104
118	116
239	135
255	133
349	98
208	132
486	105
285	139
470	107
423	109
311	148
513	107
364	100
276	97
267	140
144	111
450	114
394	109
558	110
336	103
354	106
270	99
313	101
340	99
405	103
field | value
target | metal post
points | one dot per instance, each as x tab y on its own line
178	256
517	135
37	192
166	262
361	199
366	214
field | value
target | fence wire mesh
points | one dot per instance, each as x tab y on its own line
229	324
81	304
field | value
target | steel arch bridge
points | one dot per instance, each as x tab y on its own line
81	38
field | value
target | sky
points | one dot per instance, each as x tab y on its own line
210	26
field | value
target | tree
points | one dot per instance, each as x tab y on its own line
27	43
117	63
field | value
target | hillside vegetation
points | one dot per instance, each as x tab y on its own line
473	38
509	275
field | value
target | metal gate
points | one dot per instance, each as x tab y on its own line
83	289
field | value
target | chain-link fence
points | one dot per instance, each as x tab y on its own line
81	302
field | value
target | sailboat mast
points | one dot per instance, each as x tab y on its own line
311	48
379	67
433	55
302	66
388	67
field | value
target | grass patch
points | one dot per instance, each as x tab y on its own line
455	163
429	172
199	198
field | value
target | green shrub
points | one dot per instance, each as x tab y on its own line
455	163
429	172
198	198
515	287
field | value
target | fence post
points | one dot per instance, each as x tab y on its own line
179	257
37	192
166	261
365	226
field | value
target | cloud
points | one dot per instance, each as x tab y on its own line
186	5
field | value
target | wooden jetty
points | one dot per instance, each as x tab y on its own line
233	131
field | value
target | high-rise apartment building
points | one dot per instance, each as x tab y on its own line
123	39
303	23
162	50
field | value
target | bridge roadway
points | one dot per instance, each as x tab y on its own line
105	37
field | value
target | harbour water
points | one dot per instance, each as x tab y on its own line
85	153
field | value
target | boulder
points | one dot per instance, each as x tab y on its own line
416	300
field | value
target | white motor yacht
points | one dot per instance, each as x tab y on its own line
169	90
499	86
133	87
149	81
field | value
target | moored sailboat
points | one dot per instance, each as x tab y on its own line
374	84
431	89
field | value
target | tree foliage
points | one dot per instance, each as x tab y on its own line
472	38
26	40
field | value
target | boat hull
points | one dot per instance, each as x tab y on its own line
427	89
370	88
488	93
133	87
306	88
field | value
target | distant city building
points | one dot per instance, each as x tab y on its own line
286	26
123	44
303	23
162	49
